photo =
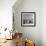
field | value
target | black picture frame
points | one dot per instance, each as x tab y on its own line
28	19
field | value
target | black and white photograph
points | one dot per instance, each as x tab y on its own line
28	18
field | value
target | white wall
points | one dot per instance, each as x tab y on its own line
29	32
6	13
43	22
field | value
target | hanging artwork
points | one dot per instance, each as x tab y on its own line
28	19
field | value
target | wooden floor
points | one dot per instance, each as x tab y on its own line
9	43
17	37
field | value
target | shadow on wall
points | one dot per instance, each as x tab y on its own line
17	4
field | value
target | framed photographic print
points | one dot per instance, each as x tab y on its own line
28	19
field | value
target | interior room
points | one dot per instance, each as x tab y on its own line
22	22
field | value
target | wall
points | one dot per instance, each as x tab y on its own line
32	33
6	13
43	22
